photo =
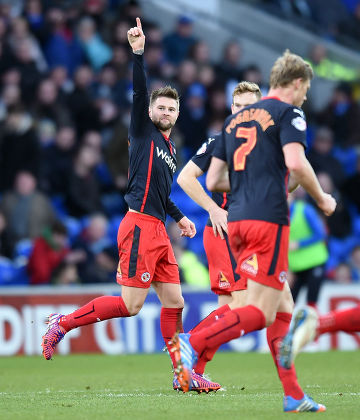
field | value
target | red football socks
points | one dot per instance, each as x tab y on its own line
232	324
274	334
170	322
210	318
209	354
99	309
347	320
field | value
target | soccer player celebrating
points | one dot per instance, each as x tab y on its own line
308	326
223	278
145	254
259	146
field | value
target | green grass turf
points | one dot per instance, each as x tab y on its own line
139	387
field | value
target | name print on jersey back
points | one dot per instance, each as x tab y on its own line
260	184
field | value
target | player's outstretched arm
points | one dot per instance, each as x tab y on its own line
304	174
187	180
136	38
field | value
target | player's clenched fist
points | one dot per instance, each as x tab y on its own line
136	36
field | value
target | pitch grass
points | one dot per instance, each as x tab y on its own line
139	387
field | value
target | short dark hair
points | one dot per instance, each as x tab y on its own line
167	92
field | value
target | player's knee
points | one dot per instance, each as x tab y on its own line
174	302
134	308
269	317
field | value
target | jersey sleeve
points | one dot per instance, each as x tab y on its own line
173	211
139	111
203	156
293	127
220	147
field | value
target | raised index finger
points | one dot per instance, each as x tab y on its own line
138	23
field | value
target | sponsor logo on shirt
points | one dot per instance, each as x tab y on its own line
299	123
250	265
223	281
168	159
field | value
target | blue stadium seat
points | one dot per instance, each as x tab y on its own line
7	271
23	248
74	227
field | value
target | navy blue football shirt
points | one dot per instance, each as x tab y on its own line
251	144
152	157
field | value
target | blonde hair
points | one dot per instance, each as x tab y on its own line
289	67
167	92
244	87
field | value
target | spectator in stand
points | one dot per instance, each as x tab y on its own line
56	162
339	223
343	274
218	109
19	32
101	253
186	76
342	115
193	118
33	12
351	187
117	156
61	47
355	264
83	190
320	156
64	85
5	240
351	26
19	148
192	271
199	53
47	105
178	43
51	260
26	66
229	68
10	98
96	50
84	112
27	211
329	69
308	253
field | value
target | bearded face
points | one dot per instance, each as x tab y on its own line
164	113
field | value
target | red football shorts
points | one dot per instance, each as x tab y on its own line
261	251
145	252
223	278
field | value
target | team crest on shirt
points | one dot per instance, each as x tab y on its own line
299	123
250	265
145	277
283	277
223	281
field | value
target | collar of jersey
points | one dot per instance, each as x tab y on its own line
271	97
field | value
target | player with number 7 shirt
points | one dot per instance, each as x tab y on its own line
259	148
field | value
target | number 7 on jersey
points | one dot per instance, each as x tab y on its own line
249	134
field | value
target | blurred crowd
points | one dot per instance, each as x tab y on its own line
335	20
65	99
